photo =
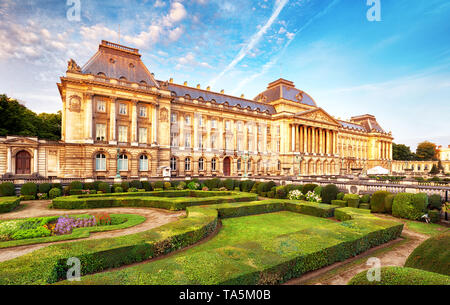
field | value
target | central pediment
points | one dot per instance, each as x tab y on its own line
317	115
23	141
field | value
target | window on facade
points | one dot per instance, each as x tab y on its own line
260	146
278	146
239	164
213	123
101	106
213	164
200	121
123	163
123	134
173	164
200	164
187	120
279	165
213	141
187	164
249	164
143	135
100	132
173	118
143	163
239	126
259	128
250	144
187	140
100	162
143	112
239	144
200	141
227	125
278	130
123	109
173	139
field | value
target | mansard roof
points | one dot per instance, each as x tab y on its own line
284	89
219	98
119	62
369	122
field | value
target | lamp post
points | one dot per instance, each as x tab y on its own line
118	172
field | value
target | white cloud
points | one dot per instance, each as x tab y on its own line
176	33
159	3
176	14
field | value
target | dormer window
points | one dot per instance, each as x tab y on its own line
143	82
123	78
101	74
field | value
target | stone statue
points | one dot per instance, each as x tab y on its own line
72	66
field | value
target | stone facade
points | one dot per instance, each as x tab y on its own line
114	108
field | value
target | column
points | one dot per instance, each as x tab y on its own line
390	151
195	130
305	139
335	139
313	150
35	161
134	127
300	138
322	140
88	118
292	138
264	139
155	125
329	142
8	161
112	122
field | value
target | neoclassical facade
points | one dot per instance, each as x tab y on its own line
117	118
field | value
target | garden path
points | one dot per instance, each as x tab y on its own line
154	218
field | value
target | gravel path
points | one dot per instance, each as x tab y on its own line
154	218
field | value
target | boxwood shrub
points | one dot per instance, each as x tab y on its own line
352	200
435	216
125	185
136	184
7	189
147	186
54	192
340	196
409	206
435	201
318	190
246	185
365	198
432	255
365	206
7	204
340	203
104	187
388	201
229	184
29	189
309	188
45	188
377	201
329	193
76	185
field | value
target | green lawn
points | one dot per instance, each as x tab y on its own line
245	245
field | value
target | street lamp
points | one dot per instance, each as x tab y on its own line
299	159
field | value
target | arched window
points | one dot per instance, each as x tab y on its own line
213	164
143	163
100	162
187	164
200	164
279	165
123	163
101	74
239	165
123	78
173	164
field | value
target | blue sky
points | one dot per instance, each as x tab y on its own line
397	69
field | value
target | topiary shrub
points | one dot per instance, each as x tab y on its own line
246	185
432	255
29	189
96	184
329	193
181	185
76	185
352	200
75	192
435	202
388	201
377	201
435	216
44	188
147	186
340	196
118	189
7	189
54	192
365	198
340	203
420	203
125	186
309	188
136	184
167	185
280	192
271	194
158	185
318	191
229	184
408	206
66	190
132	190
104	187
57	185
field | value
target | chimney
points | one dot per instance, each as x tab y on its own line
185	83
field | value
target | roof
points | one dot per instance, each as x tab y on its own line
369	122
117	61
219	98
352	126
284	89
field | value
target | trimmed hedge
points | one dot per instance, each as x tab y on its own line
377	201
388	201
170	200
54	192
136	184
432	255
76	185
340	196
7	204
352	200
435	201
329	193
309	188
104	187
402	276
340	203
7	189
365	198
409	206
365	206
45	188
318	191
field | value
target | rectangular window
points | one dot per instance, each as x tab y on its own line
239	126
213	123
173	118
100	132
200	141
259	128
101	106
187	140
239	144
213	141
123	134
187	120
143	135
278	146
143	112
173	139
200	121
227	125
123	109
250	144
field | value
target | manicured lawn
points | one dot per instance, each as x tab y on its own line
431	229
244	247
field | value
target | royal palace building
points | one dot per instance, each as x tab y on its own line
117	118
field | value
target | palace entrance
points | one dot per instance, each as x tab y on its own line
23	163
227	166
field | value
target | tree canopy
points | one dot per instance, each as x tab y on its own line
402	152
426	151
18	120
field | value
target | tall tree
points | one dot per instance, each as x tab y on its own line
426	151
402	152
18	120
